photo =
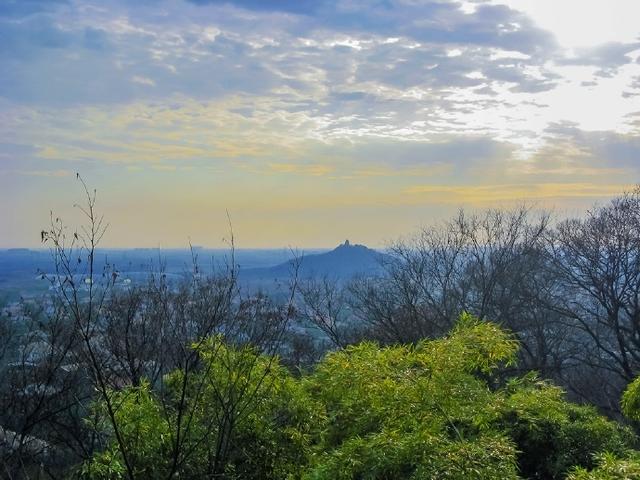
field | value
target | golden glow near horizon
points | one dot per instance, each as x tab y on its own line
311	122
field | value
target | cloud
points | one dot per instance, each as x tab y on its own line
608	58
459	152
313	169
184	57
601	149
143	81
513	193
383	102
290	6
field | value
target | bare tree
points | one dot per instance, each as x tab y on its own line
597	260
128	336
492	265
42	398
324	303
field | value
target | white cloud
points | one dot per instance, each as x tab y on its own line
580	23
271	87
143	81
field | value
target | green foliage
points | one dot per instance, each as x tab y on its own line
264	418
241	415
610	468
631	400
615	464
419	454
414	412
144	434
553	435
430	410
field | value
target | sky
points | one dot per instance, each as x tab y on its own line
310	121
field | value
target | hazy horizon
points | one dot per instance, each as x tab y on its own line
204	248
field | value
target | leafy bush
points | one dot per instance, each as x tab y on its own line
144	433
553	435
631	400
242	415
610	468
414	411
430	410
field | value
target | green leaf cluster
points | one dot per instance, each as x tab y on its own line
609	467
239	415
432	411
436	409
552	435
143	432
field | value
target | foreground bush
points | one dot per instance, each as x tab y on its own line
431	410
242	415
552	435
610	468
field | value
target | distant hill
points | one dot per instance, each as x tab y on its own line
345	261
264	270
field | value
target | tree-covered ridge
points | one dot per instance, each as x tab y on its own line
436	409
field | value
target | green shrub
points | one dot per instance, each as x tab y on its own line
416	412
610	468
553	435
